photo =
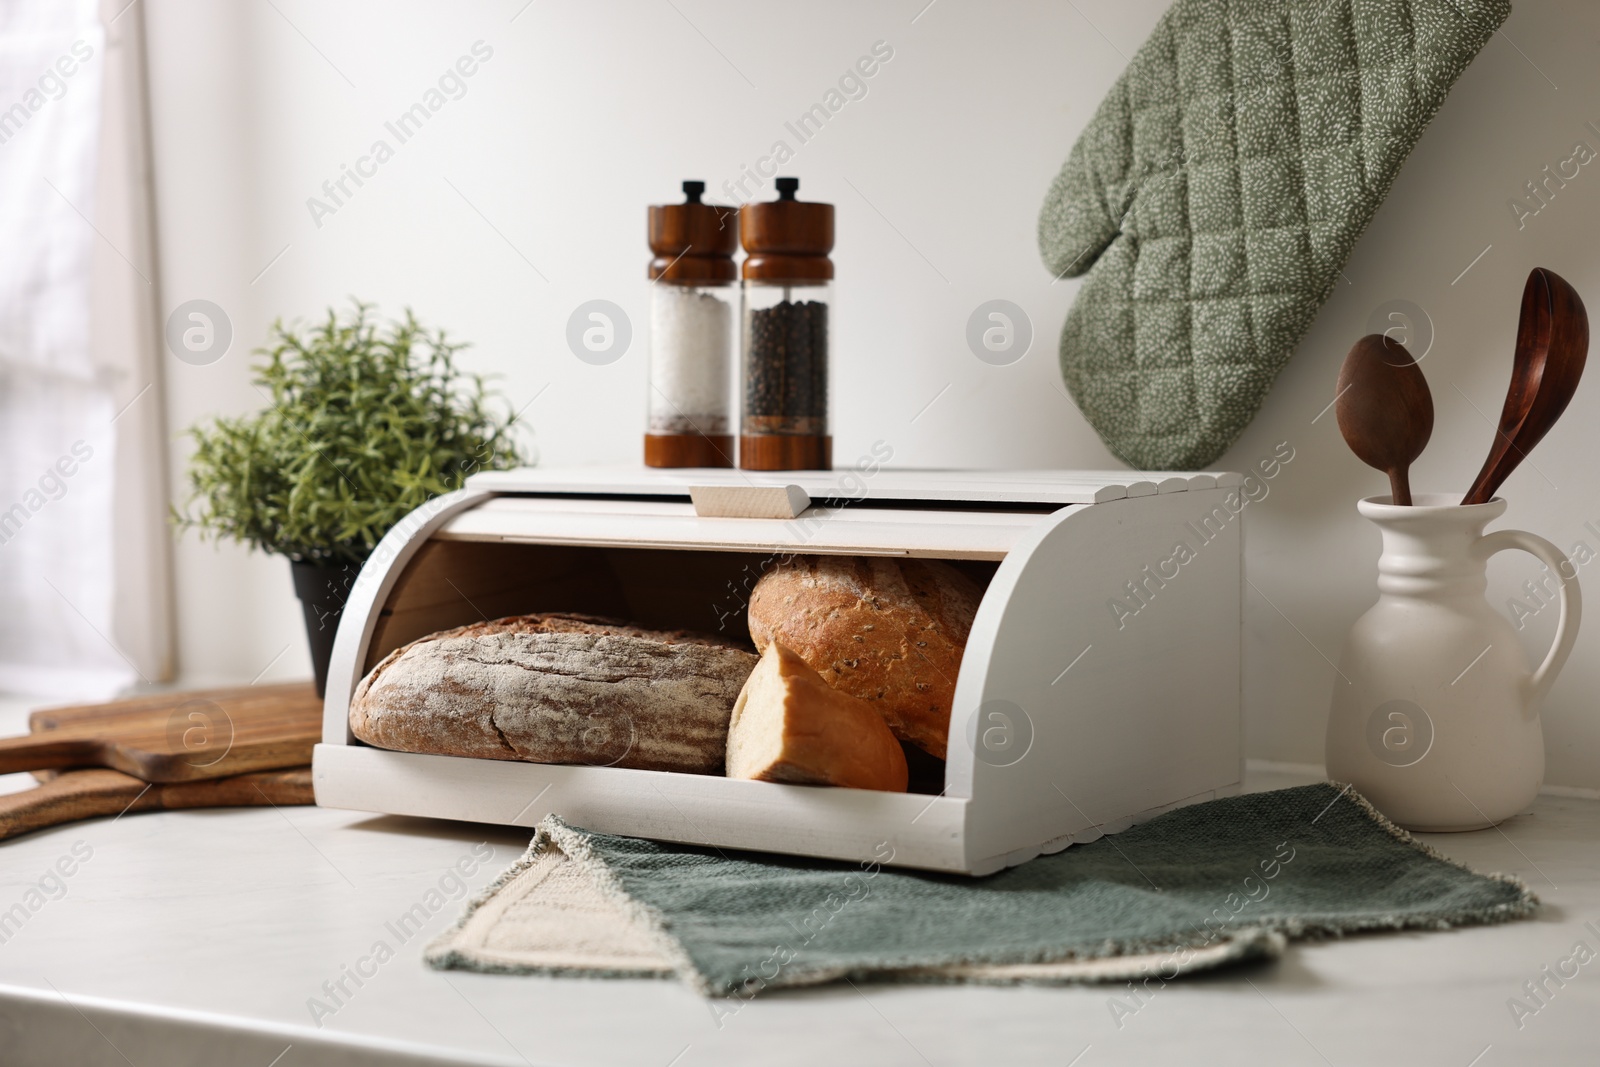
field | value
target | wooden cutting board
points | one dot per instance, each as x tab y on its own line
73	795
176	737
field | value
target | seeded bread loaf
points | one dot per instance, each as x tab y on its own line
790	726
890	631
557	689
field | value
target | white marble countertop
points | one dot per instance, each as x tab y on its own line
199	938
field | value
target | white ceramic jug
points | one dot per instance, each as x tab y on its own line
1435	714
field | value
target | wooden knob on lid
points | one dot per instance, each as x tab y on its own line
787	239
693	242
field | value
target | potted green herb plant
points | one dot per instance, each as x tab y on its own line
364	422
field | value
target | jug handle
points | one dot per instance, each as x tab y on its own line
1571	605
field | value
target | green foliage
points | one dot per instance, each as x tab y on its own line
364	424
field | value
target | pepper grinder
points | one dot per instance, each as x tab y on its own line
788	282
690	408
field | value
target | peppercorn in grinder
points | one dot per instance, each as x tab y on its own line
788	282
692	312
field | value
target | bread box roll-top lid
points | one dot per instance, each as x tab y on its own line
885	486
974	514
693	241
787	239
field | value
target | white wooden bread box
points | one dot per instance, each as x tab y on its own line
1100	684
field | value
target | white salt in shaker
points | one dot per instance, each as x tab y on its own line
693	304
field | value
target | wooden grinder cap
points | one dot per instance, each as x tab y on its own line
787	239
693	242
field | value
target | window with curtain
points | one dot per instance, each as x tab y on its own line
83	601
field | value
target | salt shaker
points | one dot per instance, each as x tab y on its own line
692	310
788	282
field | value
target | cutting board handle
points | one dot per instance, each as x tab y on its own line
72	796
42	752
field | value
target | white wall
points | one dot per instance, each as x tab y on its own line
586	113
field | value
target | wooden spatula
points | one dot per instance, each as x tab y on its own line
176	737
74	795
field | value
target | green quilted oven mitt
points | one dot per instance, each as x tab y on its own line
1217	192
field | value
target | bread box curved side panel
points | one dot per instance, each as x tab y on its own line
1101	680
368	594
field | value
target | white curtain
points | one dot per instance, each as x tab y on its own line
66	425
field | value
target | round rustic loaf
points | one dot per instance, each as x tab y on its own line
890	631
557	689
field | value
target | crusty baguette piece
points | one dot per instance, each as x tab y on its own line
890	631
790	726
557	689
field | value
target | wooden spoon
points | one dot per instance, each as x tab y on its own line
1384	408
1552	347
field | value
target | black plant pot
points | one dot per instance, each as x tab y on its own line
322	589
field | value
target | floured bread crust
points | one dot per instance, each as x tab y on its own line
557	688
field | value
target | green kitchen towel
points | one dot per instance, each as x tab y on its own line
1195	888
1215	195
